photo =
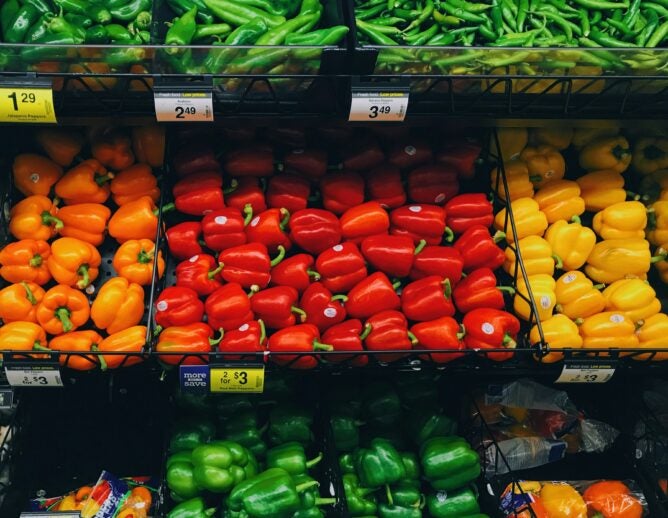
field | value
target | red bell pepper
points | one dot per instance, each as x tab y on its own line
310	162
479	249
434	183
250	161
371	295
288	191
384	185
195	158
488	328
277	307
192	340
466	210
228	307
364	220
347	336
224	228
341	267
389	332
392	255
479	290
315	230
303	338
363	155
178	306
323	309
268	228
248	264
296	272
462	155
184	239
200	273
411	154
246	191
444	261
427	299
442	333
420	222
199	193
341	191
250	337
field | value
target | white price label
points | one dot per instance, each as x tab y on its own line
33	376
378	106
183	106
586	373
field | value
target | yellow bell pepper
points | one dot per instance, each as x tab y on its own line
560	332
583	136
634	297
517	176
511	141
615	259
653	334
559	138
571	243
561	500
542	287
623	220
577	297
608	330
545	164
650	154
560	199
657	230
536	255
529	220
600	189
610	153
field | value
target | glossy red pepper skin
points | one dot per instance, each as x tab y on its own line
183	239
228	307
384	185
419	221
277	306
488	328
248	338
462	155
434	183
392	255
427	299
346	336
250	161
323	310
178	306
192	339
315	230
444	261
199	194
478	290
389	332
268	228
247	265
441	333
194	159
372	295
299	338
288	191
200	272
364	220
467	210
341	191
363	155
341	267
411	153
246	191
296	271
225	228
478	249
310	162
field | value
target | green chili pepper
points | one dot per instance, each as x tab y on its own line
508	16
131	10
658	35
47	47
43	6
182	30
8	12
470	7
584	22
487	33
522	14
24	18
371	12
388	20
328	36
288	8
407	15
464	15
621	26
119	34
427	10
248	33
515	40
497	18
596	18
234	14
97	34
608	41
208	31
632	14
144	19
601	4
277	35
375	33
59	25
422	37
569	28
652	24
182	6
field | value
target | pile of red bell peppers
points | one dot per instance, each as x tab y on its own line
285	252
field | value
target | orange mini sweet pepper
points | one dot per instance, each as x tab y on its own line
133	183
78	342
149	144
61	144
25	260
130	340
74	262
135	220
119	304
63	309
85	183
85	221
112	148
34	218
18	302
35	174
134	261
22	336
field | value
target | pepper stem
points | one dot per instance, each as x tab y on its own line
305	485
447	288
509	341
233	186
317	346
420	246
366	331
248	214
449	235
35	261
168	207
213	273
462	333
314	461
598	286
576	219
263	331
413	338
279	257
300	312
390	500
216	341
37	346
324	501
506	289
253	290
144	257
314	274
63	314
395	285
498	236
101	180
344	298
579	321
661	256
100	358
557	261
85	278
535	178
286	218
48	220
29	294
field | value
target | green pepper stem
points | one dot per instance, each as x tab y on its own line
395	285
36	261
169	207
158	329
365	491
413	338
216	341
314	274
449	235
461	333
509	341
37	346
388	493
365	331
579	321
48	220
447	288
144	257
498	236
576	219
253	290
314	461
100	358
598	286
660	257
420	246
263	331
557	261
506	289
317	346
286	218
101	180
305	485
63	314
85	278
248	214
343	298
324	501
215	272
279	257
29	294
233	187
300	312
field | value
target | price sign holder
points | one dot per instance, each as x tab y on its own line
31	374
237	377
587	370
46	514
183	101
194	379
378	102
27	99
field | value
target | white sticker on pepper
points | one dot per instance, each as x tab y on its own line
193	258
410	150
487	328
616	318
255	221
243	327
330	312
220	220
545	302
337	248
439	198
161	306
415	208
569	278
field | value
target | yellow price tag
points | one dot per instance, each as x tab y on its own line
26	104
237	379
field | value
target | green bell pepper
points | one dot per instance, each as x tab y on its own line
381	403
346	432
347	463
406	494
411	464
291	456
425	425
449	462
310	498
359	499
193	508
459	503
379	465
311	512
219	466
290	423
180	477
189	434
397	511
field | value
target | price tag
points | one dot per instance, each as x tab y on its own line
237	378
385	106
183	106
27	103
586	372
22	375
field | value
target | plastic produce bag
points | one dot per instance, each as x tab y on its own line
651	439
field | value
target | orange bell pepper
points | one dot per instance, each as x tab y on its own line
63	309
85	221
119	304
34	218
22	336
112	148
148	143
85	183
134	261
135	220
18	302
612	499
25	260
130	340
133	183
77	342
35	174
62	145
74	262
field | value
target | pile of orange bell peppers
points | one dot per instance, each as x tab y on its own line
79	191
